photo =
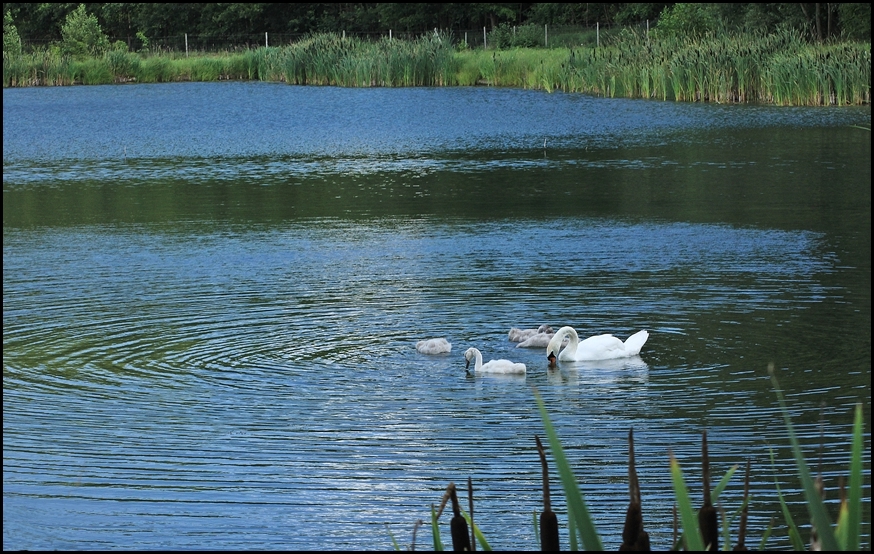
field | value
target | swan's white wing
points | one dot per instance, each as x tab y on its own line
600	347
635	342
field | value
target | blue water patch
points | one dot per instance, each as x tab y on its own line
207	120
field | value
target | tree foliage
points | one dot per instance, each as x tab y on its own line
81	34
41	23
818	22
689	19
855	21
11	40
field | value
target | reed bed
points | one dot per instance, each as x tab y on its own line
328	59
41	68
782	68
777	69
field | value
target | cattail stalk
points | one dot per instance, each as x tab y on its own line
742	531
549	540
470	510
707	516
458	525
634	538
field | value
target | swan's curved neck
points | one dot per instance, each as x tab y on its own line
478	365
574	339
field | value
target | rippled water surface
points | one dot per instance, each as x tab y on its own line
212	295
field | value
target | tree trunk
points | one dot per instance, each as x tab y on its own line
830	8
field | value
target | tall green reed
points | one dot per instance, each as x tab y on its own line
48	67
94	71
780	68
845	535
330	59
158	69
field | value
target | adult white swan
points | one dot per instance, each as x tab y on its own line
434	346
599	347
494	366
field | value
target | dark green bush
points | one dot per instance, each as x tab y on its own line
526	36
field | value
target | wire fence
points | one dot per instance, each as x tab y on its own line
502	37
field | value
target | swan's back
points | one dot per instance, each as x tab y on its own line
502	366
521	335
540	340
608	347
494	366
601	347
518	335
536	341
434	346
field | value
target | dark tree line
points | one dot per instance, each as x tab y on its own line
41	22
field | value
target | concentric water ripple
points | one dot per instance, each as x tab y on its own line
274	369
212	295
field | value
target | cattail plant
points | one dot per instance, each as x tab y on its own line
634	537
549	541
742	530
692	531
707	516
458	525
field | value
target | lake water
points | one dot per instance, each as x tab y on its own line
212	294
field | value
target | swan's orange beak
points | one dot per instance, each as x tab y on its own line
551	358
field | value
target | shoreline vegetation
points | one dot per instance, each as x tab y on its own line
780	68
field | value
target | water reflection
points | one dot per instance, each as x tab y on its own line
510	377
604	373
